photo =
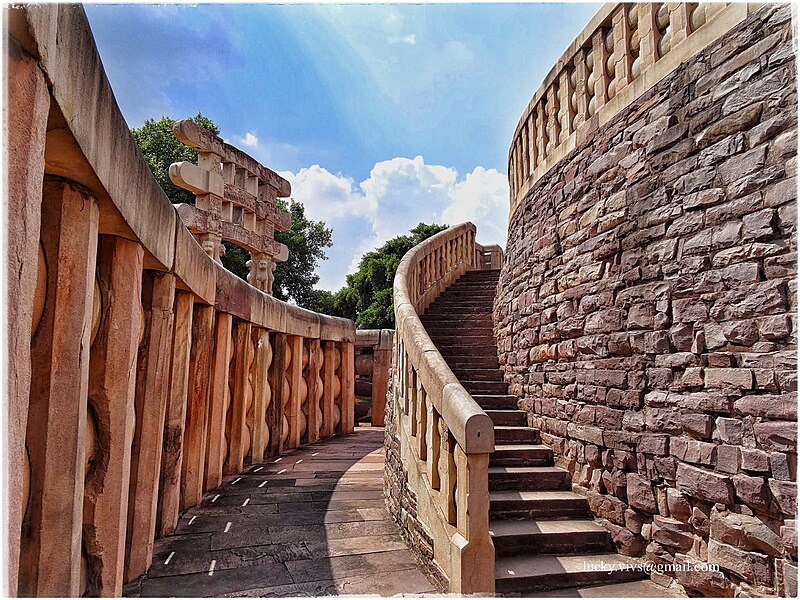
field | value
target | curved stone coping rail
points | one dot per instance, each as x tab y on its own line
446	438
624	51
142	370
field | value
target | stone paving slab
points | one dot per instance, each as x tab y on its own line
309	523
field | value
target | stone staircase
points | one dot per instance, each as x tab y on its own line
543	533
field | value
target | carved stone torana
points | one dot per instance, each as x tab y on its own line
235	202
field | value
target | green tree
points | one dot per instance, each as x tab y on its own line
307	240
367	297
160	149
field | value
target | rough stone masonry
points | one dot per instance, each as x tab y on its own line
646	315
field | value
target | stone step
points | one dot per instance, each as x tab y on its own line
450	349
528	478
470	340
496	402
536	504
524	574
464	316
484	362
521	455
477	374
448	328
508	417
457	289
521	435
548	536
472	304
485	387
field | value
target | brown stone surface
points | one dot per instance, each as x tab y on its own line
112	385
311	522
175	418
152	389
649	271
27	93
50	552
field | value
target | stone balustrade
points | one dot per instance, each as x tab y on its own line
624	51
445	438
372	364
142	373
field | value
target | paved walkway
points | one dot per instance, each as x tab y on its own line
310	523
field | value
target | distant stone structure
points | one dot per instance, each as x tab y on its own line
235	202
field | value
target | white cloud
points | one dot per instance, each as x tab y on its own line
409	39
398	194
250	139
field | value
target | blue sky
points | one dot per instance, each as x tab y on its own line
380	115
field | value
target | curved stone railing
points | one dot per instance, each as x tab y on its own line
445	437
141	372
623	52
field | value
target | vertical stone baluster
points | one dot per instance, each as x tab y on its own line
238	410
27	128
422	422
473	567
582	98
526	165
447	475
413	388
541	120
50	551
679	21
380	377
622	55
274	414
533	156
112	386
648	34
314	393
600	55
295	374
565	111
434	445
262	394
215	445
194	435
348	381
175	420
328	396
152	390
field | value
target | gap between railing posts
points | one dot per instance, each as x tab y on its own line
445	437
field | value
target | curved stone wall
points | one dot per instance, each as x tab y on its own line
646	314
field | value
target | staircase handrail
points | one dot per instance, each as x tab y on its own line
448	433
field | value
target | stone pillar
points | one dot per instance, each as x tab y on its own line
328	391
274	413
27	126
112	386
314	385
648	34
380	377
347	379
295	374
601	79
152	389
175	420
262	395
216	448
237	413
194	435
50	553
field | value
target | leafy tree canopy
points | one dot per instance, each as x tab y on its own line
307	240
367	297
